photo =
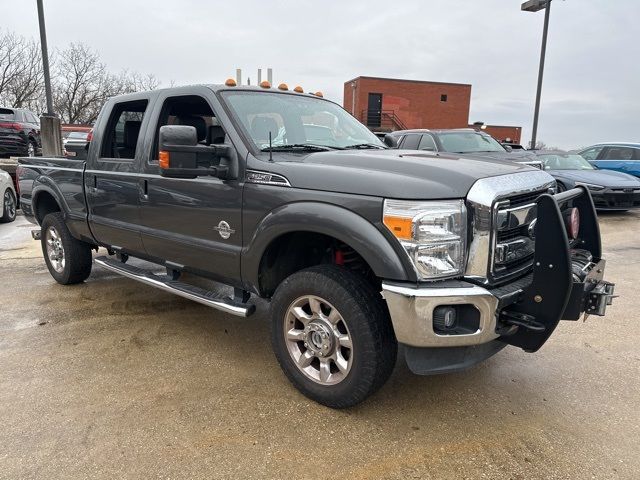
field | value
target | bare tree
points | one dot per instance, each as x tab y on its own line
21	75
81	84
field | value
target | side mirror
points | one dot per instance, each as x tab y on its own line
180	155
508	148
390	141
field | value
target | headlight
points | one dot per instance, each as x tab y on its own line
432	233
591	186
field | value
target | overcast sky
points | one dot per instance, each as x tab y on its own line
592	79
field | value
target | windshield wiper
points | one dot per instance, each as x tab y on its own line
301	147
363	146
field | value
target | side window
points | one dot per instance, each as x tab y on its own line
193	111
123	129
427	143
618	153
591	153
411	141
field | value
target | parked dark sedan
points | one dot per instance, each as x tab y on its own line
465	141
19	133
610	190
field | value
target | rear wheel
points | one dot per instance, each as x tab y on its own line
31	149
9	209
68	259
332	335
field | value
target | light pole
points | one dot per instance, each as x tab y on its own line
45	59
536	6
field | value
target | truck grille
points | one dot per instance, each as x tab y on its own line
513	249
501	211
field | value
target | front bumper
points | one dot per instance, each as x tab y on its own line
566	281
616	199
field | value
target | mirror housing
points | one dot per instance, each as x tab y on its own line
508	148
390	141
181	156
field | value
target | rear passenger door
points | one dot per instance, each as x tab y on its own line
112	175
620	158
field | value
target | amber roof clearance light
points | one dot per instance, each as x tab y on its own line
265	84
298	89
230	82
283	86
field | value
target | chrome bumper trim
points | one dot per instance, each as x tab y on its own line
411	312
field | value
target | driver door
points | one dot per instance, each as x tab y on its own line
194	223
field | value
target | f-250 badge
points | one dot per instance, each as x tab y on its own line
224	229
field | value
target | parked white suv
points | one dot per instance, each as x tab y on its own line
7	198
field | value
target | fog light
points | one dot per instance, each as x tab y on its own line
444	318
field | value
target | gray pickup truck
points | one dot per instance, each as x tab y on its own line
358	248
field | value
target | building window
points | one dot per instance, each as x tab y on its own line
443	97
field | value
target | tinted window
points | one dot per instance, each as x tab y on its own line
411	141
469	142
7	114
427	143
618	153
591	153
121	135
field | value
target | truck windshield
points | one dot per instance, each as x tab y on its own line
297	120
469	142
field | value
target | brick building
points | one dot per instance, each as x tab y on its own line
387	104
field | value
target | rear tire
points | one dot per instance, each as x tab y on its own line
9	207
68	259
332	335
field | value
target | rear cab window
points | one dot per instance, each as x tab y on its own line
120	140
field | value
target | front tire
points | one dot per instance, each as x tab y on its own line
9	207
68	259
332	335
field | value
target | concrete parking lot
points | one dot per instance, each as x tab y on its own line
113	379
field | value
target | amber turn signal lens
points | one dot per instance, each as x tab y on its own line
230	82
265	84
399	226
298	89
163	159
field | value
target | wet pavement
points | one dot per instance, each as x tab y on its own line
114	379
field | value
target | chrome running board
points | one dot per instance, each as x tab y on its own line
197	294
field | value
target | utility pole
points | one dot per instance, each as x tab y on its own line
45	59
50	128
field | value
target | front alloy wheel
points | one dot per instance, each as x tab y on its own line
332	335
318	340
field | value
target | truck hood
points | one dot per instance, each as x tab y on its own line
514	156
402	174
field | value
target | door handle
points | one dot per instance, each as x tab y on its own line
145	189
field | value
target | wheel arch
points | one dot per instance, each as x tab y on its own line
319	220
45	200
